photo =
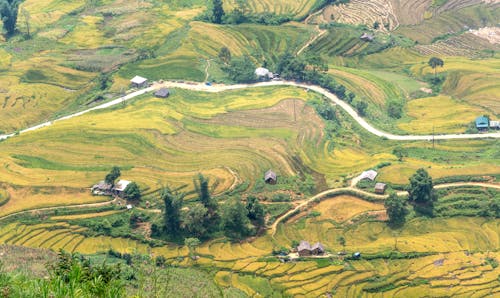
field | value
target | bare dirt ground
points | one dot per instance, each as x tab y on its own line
491	34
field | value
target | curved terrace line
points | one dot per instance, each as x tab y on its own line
221	88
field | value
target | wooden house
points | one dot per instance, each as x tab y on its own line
120	187
162	93
380	188
304	248
139	82
270	177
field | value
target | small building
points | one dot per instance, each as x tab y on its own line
367	37
263	73
380	188
356	255
482	123
270	177
162	93
120	187
129	206
494	124
370	175
139	82
318	249
102	189
304	248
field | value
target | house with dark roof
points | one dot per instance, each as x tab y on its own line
270	177
162	93
305	249
482	123
102	189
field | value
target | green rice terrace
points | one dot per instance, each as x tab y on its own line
257	148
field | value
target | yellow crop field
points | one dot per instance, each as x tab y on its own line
86	215
342	208
297	8
441	113
26	198
45	12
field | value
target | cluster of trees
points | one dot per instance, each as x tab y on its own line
421	196
206	217
8	14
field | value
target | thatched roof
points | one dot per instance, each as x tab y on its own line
319	247
270	175
303	245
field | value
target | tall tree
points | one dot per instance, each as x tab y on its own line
191	244
172	212
235	222
27	19
113	175
201	186
225	55
435	62
421	192
8	14
217	11
255	210
396	210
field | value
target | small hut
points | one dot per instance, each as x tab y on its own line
370	175
138	82
270	177
380	188
102	189
367	37
318	249
482	123
162	93
120	187
304	248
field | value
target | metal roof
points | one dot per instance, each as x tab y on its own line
138	80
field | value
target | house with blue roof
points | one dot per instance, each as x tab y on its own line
482	123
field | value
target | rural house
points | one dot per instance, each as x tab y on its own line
102	189
380	188
263	73
482	123
370	174
367	37
120	188
162	93
305	249
494	124
138	82
270	177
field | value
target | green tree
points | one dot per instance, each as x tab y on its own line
395	109
217	11
435	62
255	210
201	186
361	106
400	153
225	55
235	222
196	220
341	241
421	192
113	175
8	14
172	213
396	210
241	70
192	244
132	191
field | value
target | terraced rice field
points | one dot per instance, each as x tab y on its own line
298	8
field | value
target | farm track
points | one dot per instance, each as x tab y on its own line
306	203
61	207
221	88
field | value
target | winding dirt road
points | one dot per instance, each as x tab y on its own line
221	88
333	191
